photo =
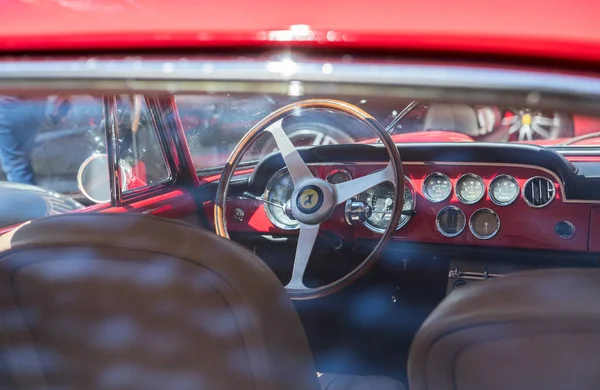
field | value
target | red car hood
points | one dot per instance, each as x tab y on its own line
526	28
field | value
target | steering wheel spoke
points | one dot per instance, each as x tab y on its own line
346	190
306	242
296	166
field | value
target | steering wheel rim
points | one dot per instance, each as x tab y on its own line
326	193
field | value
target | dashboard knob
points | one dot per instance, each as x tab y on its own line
565	229
357	211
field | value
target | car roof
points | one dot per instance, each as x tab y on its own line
530	28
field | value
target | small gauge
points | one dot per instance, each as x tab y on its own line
484	224
470	188
504	190
337	176
279	190
437	187
451	221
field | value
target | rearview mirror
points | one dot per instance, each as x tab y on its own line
93	178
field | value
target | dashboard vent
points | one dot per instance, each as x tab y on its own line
539	192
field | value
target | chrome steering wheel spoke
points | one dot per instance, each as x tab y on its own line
306	242
293	161
346	190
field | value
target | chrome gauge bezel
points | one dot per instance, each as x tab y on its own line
482	210
338	170
439	228
276	176
491	192
457	188
424	191
522	192
401	223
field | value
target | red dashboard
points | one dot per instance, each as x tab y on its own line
520	225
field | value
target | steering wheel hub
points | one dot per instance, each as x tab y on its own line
314	201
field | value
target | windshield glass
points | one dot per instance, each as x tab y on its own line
214	124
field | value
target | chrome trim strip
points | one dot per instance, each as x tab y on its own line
484	210
491	193
457	190
439	228
427	196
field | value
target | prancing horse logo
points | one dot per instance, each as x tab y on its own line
309	198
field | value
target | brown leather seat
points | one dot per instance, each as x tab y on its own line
125	301
527	331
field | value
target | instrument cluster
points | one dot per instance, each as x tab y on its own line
373	207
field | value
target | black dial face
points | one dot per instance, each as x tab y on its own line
279	191
381	198
451	221
484	223
437	187
504	190
338	176
470	188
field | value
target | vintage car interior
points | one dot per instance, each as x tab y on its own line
413	259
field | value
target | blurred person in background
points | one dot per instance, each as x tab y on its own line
20	120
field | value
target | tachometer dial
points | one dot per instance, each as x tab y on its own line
279	190
437	187
504	190
470	188
484	224
337	176
381	198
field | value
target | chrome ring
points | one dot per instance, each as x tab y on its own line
485	209
429	198
457	189
549	200
491	193
338	170
437	222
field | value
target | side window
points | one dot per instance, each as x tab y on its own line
46	141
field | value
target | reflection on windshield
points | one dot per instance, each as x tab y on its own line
214	124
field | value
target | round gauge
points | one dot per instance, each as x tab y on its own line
337	176
504	190
381	198
484	224
437	187
279	190
470	188
451	221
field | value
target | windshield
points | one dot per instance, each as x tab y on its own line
214	124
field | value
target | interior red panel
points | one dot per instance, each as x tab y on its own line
521	226
595	230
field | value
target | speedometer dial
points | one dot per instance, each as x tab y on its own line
470	188
381	198
504	190
279	190
437	187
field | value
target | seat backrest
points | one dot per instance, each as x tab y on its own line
526	331
126	301
452	117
